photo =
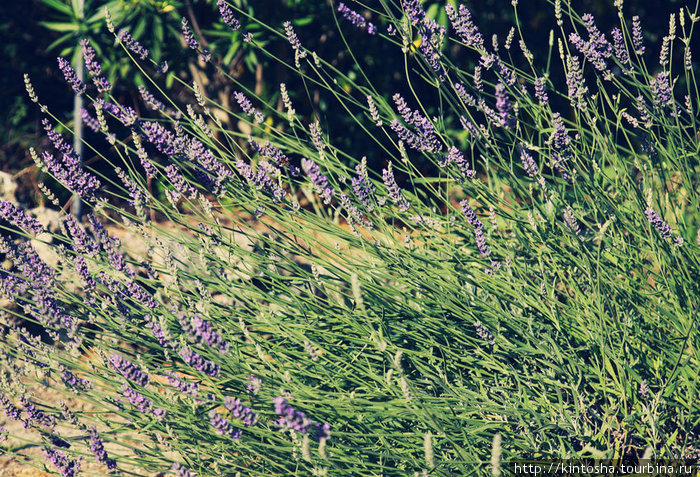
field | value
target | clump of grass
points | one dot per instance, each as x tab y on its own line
534	294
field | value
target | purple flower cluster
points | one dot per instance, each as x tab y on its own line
637	38
227	15
189	36
621	52
299	52
575	83
239	411
540	92
354	215
223	426
247	107
179	469
319	181
11	411
142	403
290	418
269	151
70	75
60	460
97	447
661	90
198	362
68	170
597	49
478	226
18	217
129	370
356	19
94	68
455	156
202	331
190	389
426	139
72	381
393	189
571	222
504	107
262	178
254	384
362	186
529	163
135	47
464	26
655	219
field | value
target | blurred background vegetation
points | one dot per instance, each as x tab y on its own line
35	32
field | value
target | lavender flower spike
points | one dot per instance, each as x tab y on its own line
94	68
319	181
239	411
393	189
356	19
19	218
70	75
189	36
655	219
227	15
60	460
97	447
136	47
129	370
297	420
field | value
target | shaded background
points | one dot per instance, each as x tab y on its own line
35	32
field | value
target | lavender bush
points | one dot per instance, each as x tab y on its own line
518	279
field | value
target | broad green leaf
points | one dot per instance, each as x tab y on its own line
56	26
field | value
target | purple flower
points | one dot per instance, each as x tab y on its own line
393	189
290	418
483	333
574	81
269	151
414	11
97	447
540	92
10	409
356	19
60	460
222	425
89	121
254	384
655	219
478	226
199	363
70	75
72	381
621	52
354	215
136	47
239	411
503	106
191	389
571	222
637	39
143	404
529	163
19	218
94	68
130	371
247	107
179	469
262	179
202	331
319	181
455	156
362	186
464	26
661	90
425	139
189	36
68	170
227	15
299	52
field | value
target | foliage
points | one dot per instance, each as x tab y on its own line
520	266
